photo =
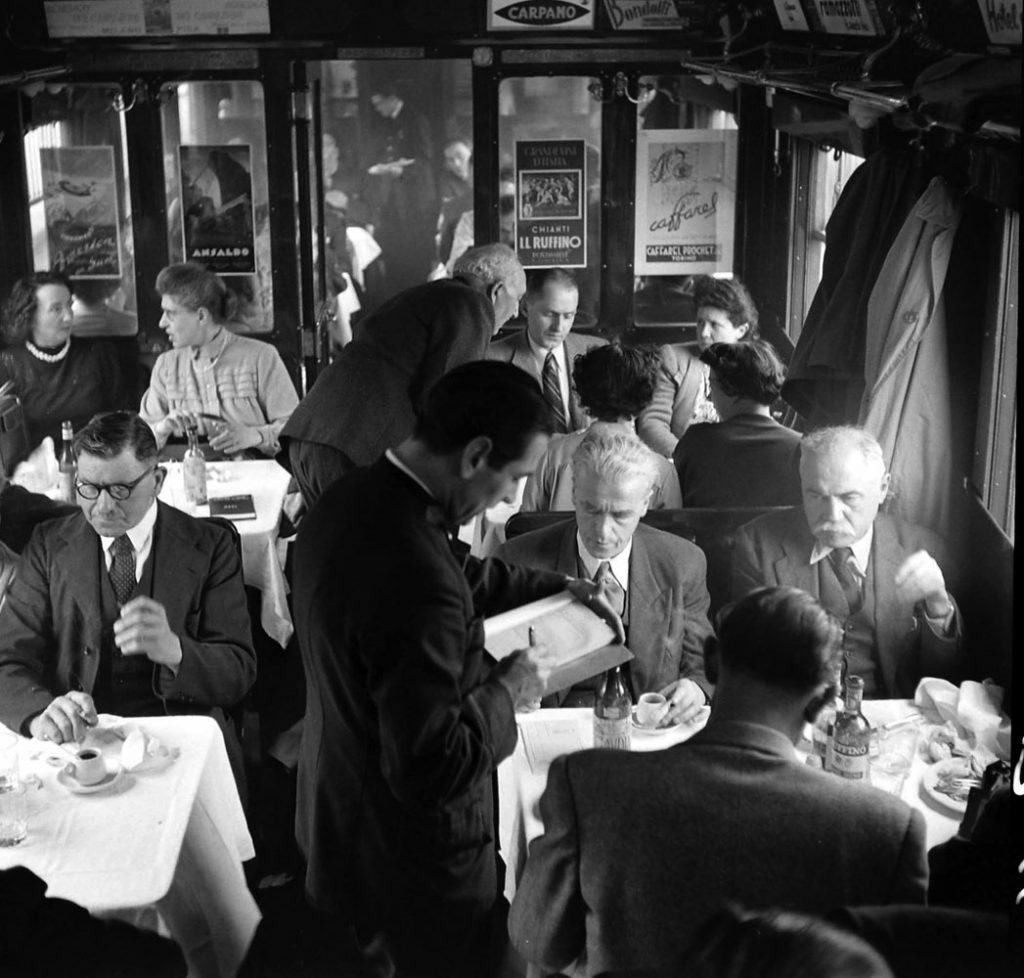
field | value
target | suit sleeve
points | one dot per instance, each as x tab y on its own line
460	329
499	586
218	663
547	922
26	636
696	602
910	879
654	422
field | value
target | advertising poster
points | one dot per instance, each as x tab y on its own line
525	15
845	17
80	202
791	15
685	201
551	186
216	206
653	15
138	18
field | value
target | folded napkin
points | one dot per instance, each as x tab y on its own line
38	473
973	712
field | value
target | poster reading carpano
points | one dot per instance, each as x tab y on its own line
80	203
216	208
551	213
685	201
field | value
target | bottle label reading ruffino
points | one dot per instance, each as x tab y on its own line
611	733
850	762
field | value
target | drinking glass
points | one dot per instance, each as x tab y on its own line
13	814
8	758
896	749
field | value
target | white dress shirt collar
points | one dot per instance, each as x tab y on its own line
141	536
402	467
861	551
619	563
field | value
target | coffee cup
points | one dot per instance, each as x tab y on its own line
88	767
651	709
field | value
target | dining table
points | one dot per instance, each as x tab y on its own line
161	846
548	733
263	552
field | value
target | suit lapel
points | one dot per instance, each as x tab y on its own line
522	355
795	563
76	562
172	535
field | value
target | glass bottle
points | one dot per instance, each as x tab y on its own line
613	712
193	468
66	464
824	724
852	737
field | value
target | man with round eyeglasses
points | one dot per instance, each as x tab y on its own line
127	607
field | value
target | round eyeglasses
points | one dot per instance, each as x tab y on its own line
116	490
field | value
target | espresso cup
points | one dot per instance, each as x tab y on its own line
88	767
651	709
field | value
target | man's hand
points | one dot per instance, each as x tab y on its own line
919	578
234	438
67	718
142	629
593	596
525	674
685	701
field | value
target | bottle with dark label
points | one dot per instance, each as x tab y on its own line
613	712
193	468
852	736
66	464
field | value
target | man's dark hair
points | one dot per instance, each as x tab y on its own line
751	369
537	278
781	636
21	305
107	435
731	296
485	398
615	381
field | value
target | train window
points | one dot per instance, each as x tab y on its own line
397	171
79	207
819	176
218	202
683	102
549	141
995	462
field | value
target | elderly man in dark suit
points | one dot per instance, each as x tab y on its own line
658	577
730	815
367	400
407	717
126	607
547	349
877	574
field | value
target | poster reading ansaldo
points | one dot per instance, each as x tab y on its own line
685	201
551	215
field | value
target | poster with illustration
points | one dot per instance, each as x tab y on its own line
216	207
551	223
80	203
685	201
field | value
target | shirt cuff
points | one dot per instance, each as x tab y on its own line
942	627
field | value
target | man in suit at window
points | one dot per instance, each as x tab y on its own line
547	348
128	607
877	574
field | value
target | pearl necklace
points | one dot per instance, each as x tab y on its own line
49	357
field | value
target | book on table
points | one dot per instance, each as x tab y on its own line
583	644
239	507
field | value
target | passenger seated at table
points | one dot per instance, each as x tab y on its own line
58	377
128	607
880	576
614	383
748	459
682	396
658	579
233	389
21	511
640	848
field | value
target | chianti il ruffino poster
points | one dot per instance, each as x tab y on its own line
551	214
80	203
685	201
216	204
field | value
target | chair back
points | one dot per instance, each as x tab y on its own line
14	443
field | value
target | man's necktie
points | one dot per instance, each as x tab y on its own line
122	568
612	588
849	577
553	392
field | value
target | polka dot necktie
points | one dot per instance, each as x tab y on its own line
122	568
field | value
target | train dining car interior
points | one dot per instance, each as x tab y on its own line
855	164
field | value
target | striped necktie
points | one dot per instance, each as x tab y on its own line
848	574
612	588
553	392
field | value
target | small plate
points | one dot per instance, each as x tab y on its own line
930	778
112	778
654	731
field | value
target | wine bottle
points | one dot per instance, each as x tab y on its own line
194	470
66	464
613	712
852	737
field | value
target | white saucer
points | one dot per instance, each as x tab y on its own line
112	778
654	731
930	778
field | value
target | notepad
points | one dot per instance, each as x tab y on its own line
234	507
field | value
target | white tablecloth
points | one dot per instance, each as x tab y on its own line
546	733
172	839
262	565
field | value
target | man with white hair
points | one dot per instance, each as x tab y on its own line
878	575
657	579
